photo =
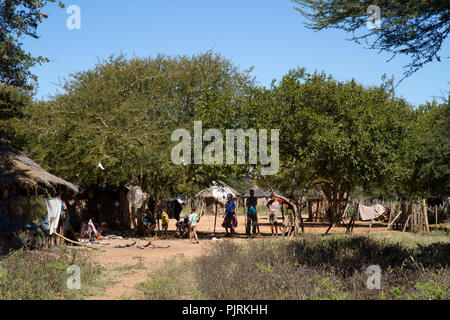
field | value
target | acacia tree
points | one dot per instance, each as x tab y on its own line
431	176
13	101
19	18
122	113
417	28
339	134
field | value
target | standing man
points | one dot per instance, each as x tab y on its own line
252	216
274	207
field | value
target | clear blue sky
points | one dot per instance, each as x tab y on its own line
267	34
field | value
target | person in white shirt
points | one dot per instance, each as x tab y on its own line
274	207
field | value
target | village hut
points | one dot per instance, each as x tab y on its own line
263	198
258	193
215	194
24	186
19	175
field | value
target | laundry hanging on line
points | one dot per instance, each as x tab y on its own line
371	213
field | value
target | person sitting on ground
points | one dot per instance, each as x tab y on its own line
288	222
193	220
230	220
274	206
150	223
165	222
183	226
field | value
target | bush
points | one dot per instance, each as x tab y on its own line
173	282
42	275
323	268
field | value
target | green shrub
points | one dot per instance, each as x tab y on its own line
173	282
322	268
42	275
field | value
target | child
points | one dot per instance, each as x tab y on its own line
165	222
150	223
193	219
288	222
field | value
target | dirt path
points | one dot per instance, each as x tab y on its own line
125	267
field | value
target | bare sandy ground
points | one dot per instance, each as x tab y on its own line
151	259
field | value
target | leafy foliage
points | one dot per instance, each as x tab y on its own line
13	102
122	113
417	28
19	18
432	166
339	134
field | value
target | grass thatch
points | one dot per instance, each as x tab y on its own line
208	192
19	175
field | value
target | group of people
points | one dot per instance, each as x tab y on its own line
230	221
252	227
189	222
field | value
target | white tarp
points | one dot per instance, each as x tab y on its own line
371	213
136	197
54	213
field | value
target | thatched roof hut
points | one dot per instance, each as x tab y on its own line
19	175
216	194
258	193
217	190
276	192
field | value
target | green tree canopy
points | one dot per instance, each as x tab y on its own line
431	176
122	113
339	134
13	102
19	18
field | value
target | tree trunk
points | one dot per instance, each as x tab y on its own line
338	202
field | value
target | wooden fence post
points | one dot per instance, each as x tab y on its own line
436	217
425	216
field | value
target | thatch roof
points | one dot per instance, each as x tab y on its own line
258	193
26	177
276	192
218	190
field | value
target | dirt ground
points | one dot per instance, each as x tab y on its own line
144	261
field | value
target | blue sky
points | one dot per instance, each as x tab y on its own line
267	34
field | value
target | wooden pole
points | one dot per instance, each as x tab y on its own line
392	222
245	212
76	242
415	219
406	223
436	217
425	216
355	215
370	226
215	220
